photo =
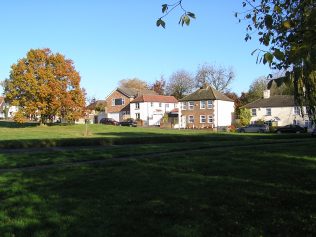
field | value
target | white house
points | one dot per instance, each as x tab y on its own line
279	110
206	108
5	108
2	104
151	108
118	102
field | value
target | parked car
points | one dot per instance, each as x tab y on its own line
109	121
290	129
254	128
128	122
313	132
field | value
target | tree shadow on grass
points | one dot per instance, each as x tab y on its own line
212	194
12	124
111	139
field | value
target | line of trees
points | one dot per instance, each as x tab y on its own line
182	82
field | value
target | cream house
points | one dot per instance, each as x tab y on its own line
279	110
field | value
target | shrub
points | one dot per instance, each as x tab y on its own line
19	117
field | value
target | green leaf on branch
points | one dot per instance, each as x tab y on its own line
278	54
164	8
268	57
160	22
287	24
185	19
191	14
268	21
277	9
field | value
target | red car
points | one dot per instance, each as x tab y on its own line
109	121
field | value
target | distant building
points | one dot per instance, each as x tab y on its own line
118	102
7	111
278	110
96	111
2	108
151	108
206	108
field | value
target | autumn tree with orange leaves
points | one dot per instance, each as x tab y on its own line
45	86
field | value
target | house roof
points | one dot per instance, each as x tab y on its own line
206	93
273	101
131	92
96	104
155	98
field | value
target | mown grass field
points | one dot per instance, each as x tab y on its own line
220	185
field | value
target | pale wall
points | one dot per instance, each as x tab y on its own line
151	114
223	113
285	114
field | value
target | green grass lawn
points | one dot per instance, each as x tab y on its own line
12	131
223	185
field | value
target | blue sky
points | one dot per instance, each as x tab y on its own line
113	40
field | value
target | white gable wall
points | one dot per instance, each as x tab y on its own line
223	113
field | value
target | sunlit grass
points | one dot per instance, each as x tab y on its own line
249	187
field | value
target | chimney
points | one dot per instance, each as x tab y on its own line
204	86
266	94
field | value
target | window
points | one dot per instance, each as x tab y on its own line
202	119
152	104
167	105
191	105
137	115
268	111
210	119
308	124
119	101
209	104
190	119
295	122
253	112
184	105
137	106
202	104
297	110
160	104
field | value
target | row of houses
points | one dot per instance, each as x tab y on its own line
204	108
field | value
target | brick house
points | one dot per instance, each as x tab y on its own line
206	108
118	102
